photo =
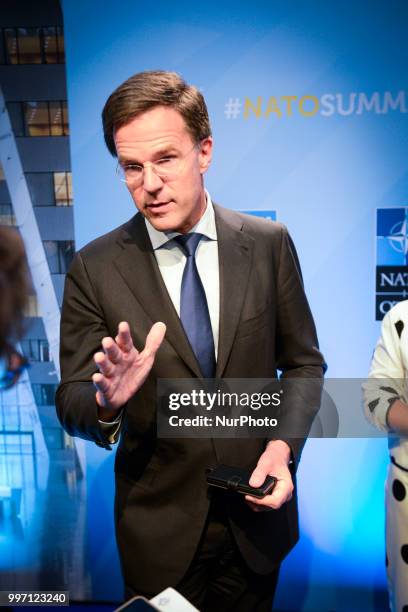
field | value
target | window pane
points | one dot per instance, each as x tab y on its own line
36	350
56	119
6	215
25	347
11	46
50	45
29	49
16	117
2	50
36	388
44	349
60	189
34	354
54	437
69	187
41	188
67	251
49	393
30	349
32	308
59	255
44	394
61	45
65	121
36	119
63	188
51	251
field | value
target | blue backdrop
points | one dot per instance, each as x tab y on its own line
308	103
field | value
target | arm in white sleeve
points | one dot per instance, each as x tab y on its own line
385	382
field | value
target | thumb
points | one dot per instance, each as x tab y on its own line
258	477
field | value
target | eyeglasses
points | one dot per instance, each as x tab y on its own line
166	168
11	367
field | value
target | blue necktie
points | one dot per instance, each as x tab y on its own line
194	313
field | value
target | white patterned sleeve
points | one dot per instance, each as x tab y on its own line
385	381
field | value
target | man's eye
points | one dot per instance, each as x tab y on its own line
133	168
166	160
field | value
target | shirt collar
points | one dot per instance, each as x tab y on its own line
205	226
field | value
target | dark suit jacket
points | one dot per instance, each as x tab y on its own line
162	498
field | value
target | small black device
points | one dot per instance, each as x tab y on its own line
237	479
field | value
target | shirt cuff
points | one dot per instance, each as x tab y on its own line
111	428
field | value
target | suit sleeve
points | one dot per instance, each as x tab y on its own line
82	329
298	357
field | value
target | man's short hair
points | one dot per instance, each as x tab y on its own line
145	90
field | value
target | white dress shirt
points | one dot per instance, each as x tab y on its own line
171	261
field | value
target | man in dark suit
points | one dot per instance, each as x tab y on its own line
233	307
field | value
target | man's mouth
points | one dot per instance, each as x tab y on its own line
156	205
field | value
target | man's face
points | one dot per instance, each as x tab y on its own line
173	203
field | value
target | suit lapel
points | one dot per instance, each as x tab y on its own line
138	267
235	257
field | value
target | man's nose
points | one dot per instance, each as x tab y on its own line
151	181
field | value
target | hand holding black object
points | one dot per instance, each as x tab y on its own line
274	461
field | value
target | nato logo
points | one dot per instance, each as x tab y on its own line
266	214
392	259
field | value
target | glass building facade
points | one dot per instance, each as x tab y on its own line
41	484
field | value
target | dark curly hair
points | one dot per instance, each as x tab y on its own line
14	285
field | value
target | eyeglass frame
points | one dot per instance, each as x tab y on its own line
121	169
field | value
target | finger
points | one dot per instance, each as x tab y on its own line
112	351
253	506
103	364
101	383
100	399
265	503
124	337
281	494
258	477
154	339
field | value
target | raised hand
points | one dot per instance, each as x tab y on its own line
122	369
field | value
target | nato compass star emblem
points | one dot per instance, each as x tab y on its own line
397	238
392	236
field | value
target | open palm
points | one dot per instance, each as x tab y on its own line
122	368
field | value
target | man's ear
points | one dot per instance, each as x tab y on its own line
205	154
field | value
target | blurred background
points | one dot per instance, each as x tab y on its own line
309	108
